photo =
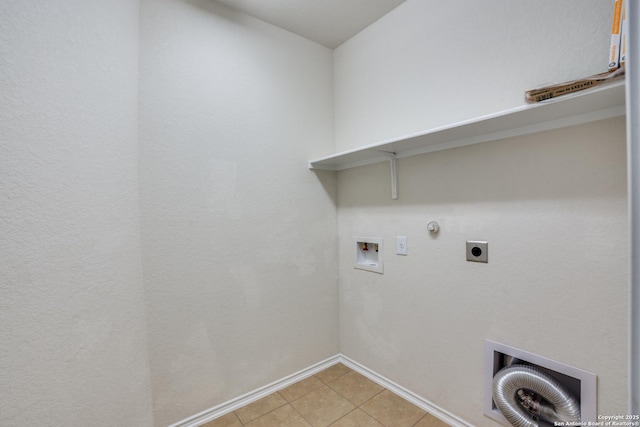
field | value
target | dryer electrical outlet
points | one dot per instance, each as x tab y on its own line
477	251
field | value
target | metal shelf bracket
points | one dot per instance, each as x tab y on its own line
394	173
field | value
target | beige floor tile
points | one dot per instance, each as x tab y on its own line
332	372
356	418
301	388
355	387
431	421
229	420
284	416
260	407
322	406
392	411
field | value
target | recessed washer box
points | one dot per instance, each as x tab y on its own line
369	254
581	384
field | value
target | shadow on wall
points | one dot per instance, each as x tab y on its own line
222	12
329	182
575	162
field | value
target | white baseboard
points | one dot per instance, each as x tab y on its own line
420	402
230	406
233	404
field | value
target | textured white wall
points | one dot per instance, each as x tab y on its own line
553	209
552	205
239	236
433	63
72	327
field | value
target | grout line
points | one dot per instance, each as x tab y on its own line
351	411
383	389
241	401
261	415
352	366
427	406
423	417
302	416
310	391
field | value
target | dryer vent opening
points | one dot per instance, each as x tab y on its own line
526	390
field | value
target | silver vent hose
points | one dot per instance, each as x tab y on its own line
515	392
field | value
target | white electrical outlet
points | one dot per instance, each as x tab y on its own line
401	245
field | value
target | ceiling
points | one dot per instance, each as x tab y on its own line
328	22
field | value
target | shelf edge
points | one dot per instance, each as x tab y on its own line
332	163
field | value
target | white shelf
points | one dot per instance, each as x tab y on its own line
581	107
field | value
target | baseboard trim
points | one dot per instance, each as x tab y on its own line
419	401
233	404
230	406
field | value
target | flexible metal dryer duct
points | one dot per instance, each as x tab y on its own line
512	387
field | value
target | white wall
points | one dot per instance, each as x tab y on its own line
239	236
553	209
72	327
551	205
433	63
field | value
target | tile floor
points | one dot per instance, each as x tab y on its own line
336	397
